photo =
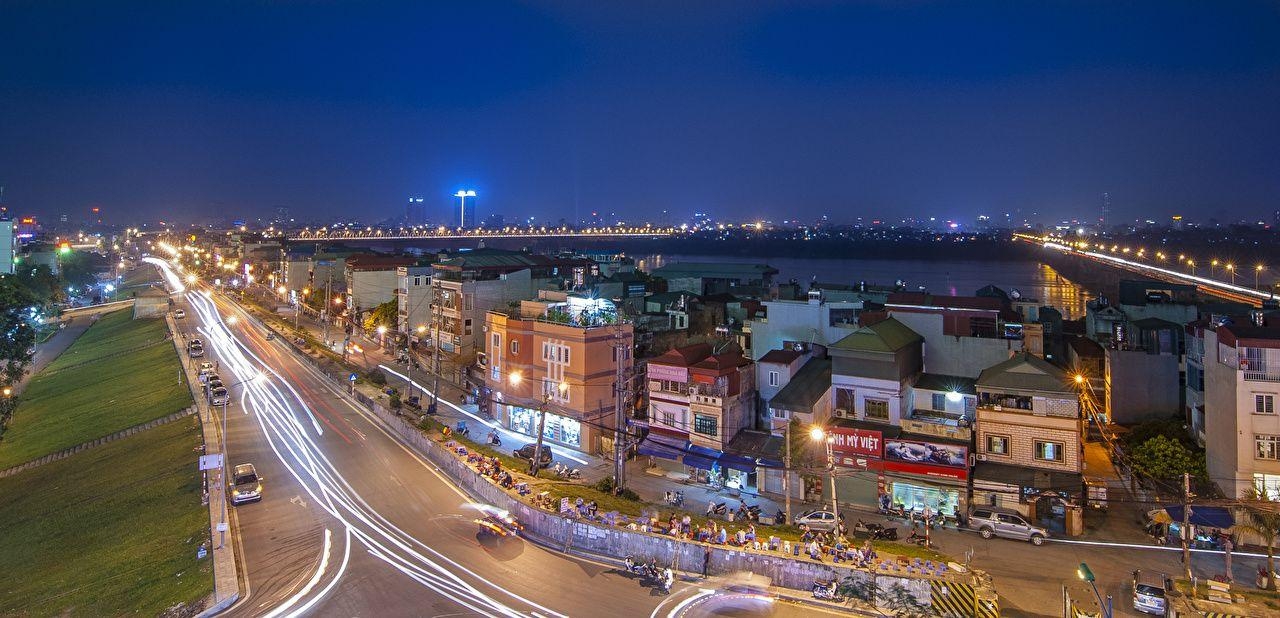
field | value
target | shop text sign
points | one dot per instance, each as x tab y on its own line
666	372
864	442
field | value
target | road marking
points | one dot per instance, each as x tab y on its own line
299	501
315	579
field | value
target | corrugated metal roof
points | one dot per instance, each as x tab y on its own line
885	336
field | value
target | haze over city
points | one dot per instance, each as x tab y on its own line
553	110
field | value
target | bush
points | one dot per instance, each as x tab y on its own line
376	377
394	401
606	485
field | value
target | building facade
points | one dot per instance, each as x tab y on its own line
1241	390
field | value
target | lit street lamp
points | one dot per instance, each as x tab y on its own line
818	434
1256	271
1087	575
1231	268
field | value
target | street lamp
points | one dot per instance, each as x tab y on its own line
818	434
382	335
1192	265
1256	270
1231	268
462	206
1087	575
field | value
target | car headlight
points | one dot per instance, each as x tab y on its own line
235	492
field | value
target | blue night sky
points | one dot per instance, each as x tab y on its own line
743	110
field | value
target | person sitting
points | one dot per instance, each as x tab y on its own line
740	536
722	537
751	532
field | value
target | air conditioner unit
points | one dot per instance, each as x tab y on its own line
981	457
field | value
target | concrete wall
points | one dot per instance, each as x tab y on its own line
956	356
797	321
1140	385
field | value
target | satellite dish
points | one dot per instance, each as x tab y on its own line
1015	294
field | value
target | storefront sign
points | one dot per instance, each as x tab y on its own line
927	458
665	372
854	442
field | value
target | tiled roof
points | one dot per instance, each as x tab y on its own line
884	336
946	383
1026	372
781	357
805	388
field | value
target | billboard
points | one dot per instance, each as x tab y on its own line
667	372
856	442
927	458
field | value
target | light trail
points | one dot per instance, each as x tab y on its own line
292	438
515	437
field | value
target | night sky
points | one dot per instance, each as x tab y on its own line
739	109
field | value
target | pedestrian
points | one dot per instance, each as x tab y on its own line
706	561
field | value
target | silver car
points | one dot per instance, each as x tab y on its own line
822	521
246	485
1149	588
218	396
1006	524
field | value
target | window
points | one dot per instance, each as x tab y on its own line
1050	451
467	327
779	413
844	402
497	375
669	419
564	354
998	445
497	343
773	378
1264	404
877	409
515	347
705	425
1266	447
546	351
466	299
939	402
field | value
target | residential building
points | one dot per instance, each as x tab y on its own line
466	285
962	334
548	344
698	401
872	370
1143	373
413	300
304	268
705	278
1029	450
1110	323
806	397
372	280
774	371
814	321
1241	390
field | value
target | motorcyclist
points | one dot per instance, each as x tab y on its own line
668	578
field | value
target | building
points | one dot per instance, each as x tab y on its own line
303	268
1111	323
464	216
1143	376
552	343
1241	387
467	285
413	300
775	369
806	396
1028	443
704	278
372	280
872	370
698	401
8	246
814	321
962	334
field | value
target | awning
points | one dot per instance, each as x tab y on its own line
703	451
665	447
698	461
738	462
1207	516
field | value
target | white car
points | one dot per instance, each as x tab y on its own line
1149	589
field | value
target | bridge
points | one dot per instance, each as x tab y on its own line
443	233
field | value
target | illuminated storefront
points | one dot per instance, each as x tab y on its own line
561	429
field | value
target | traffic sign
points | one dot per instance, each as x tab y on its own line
352	377
211	462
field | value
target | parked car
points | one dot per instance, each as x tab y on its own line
195	351
218	396
526	453
246	485
214	383
818	519
178	314
1006	524
1149	591
206	368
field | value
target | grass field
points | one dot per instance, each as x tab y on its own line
96	388
138	278
107	532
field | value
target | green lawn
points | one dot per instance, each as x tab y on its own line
140	277
96	388
107	532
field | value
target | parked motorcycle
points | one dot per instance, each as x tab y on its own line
717	508
675	498
918	539
875	531
565	472
827	591
495	439
748	512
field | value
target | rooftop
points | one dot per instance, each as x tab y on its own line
806	387
1026	372
781	357
887	335
945	383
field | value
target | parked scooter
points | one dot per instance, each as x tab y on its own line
918	539
565	472
675	498
494	438
876	531
637	568
748	512
827	591
717	508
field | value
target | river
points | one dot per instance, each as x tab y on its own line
961	278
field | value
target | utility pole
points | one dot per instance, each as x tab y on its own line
619	418
435	325
535	463
786	475
324	317
1186	528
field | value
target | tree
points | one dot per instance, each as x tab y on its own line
1162	457
804	454
1262	518
905	604
15	325
382	315
859	588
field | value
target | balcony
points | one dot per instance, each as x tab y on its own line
928	423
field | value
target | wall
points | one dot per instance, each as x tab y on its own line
1023	430
797	321
956	356
370	288
1140	385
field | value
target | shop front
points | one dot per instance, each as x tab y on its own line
923	475
558	429
858	450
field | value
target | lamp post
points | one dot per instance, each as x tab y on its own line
1256	271
1231	268
819	434
1087	575
1212	265
1192	265
462	206
382	336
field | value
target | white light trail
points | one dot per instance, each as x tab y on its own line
175	284
276	411
1214	283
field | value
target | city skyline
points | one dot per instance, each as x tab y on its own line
554	112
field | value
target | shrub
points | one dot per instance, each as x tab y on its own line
376	377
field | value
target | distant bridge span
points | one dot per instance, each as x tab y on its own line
398	235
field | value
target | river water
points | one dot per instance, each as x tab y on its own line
961	278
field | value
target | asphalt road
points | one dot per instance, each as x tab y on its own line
413	548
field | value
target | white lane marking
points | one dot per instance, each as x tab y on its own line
675	611
346	555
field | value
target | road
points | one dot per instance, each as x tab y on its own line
354	523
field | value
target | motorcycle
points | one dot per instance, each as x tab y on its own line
668	579
824	591
875	531
717	508
918	539
749	512
565	472
462	429
495	439
636	568
675	498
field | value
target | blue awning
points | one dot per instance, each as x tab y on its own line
662	446
698	461
765	462
738	462
703	451
1207	516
